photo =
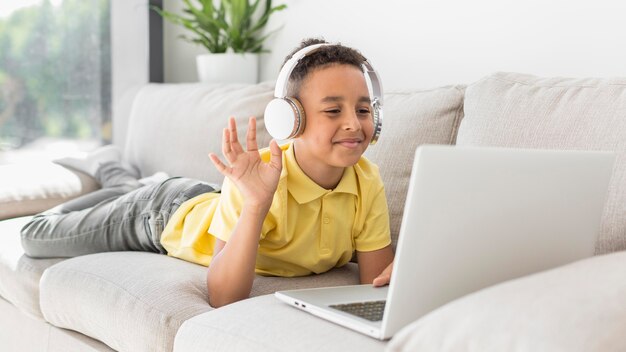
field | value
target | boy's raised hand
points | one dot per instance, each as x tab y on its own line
255	179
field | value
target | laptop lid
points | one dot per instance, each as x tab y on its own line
477	216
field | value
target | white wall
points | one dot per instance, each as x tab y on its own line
179	56
129	59
427	43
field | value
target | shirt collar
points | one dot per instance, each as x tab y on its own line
304	190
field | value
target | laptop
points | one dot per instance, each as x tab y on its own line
474	217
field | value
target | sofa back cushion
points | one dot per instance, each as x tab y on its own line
523	111
173	127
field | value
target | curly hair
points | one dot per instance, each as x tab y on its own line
325	56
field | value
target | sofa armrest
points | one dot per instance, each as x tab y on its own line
577	307
27	189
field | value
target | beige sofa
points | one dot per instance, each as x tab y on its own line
132	301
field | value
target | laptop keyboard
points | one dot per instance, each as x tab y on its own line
372	311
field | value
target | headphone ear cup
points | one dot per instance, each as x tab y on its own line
284	118
377	116
299	116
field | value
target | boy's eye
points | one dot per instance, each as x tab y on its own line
332	111
363	111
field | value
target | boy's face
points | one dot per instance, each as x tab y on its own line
339	123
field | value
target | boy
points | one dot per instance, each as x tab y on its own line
289	211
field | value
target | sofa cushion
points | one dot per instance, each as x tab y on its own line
19	274
136	301
30	188
173	127
21	333
264	324
131	301
412	118
522	111
577	307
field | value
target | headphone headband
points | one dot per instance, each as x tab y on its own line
283	77
280	91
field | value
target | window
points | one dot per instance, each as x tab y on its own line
55	78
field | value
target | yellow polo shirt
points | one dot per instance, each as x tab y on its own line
308	229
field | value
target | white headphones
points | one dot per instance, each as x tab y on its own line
284	116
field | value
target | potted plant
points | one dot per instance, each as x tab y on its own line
231	30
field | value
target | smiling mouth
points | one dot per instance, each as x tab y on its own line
350	143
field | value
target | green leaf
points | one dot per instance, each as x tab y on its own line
221	25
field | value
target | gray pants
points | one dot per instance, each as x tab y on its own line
122	216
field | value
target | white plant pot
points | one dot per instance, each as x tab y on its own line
228	68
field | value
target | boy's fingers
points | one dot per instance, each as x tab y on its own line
385	277
381	280
219	165
276	158
234	141
251	143
226	145
232	125
225	142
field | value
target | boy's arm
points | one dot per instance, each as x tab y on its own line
231	272
375	266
